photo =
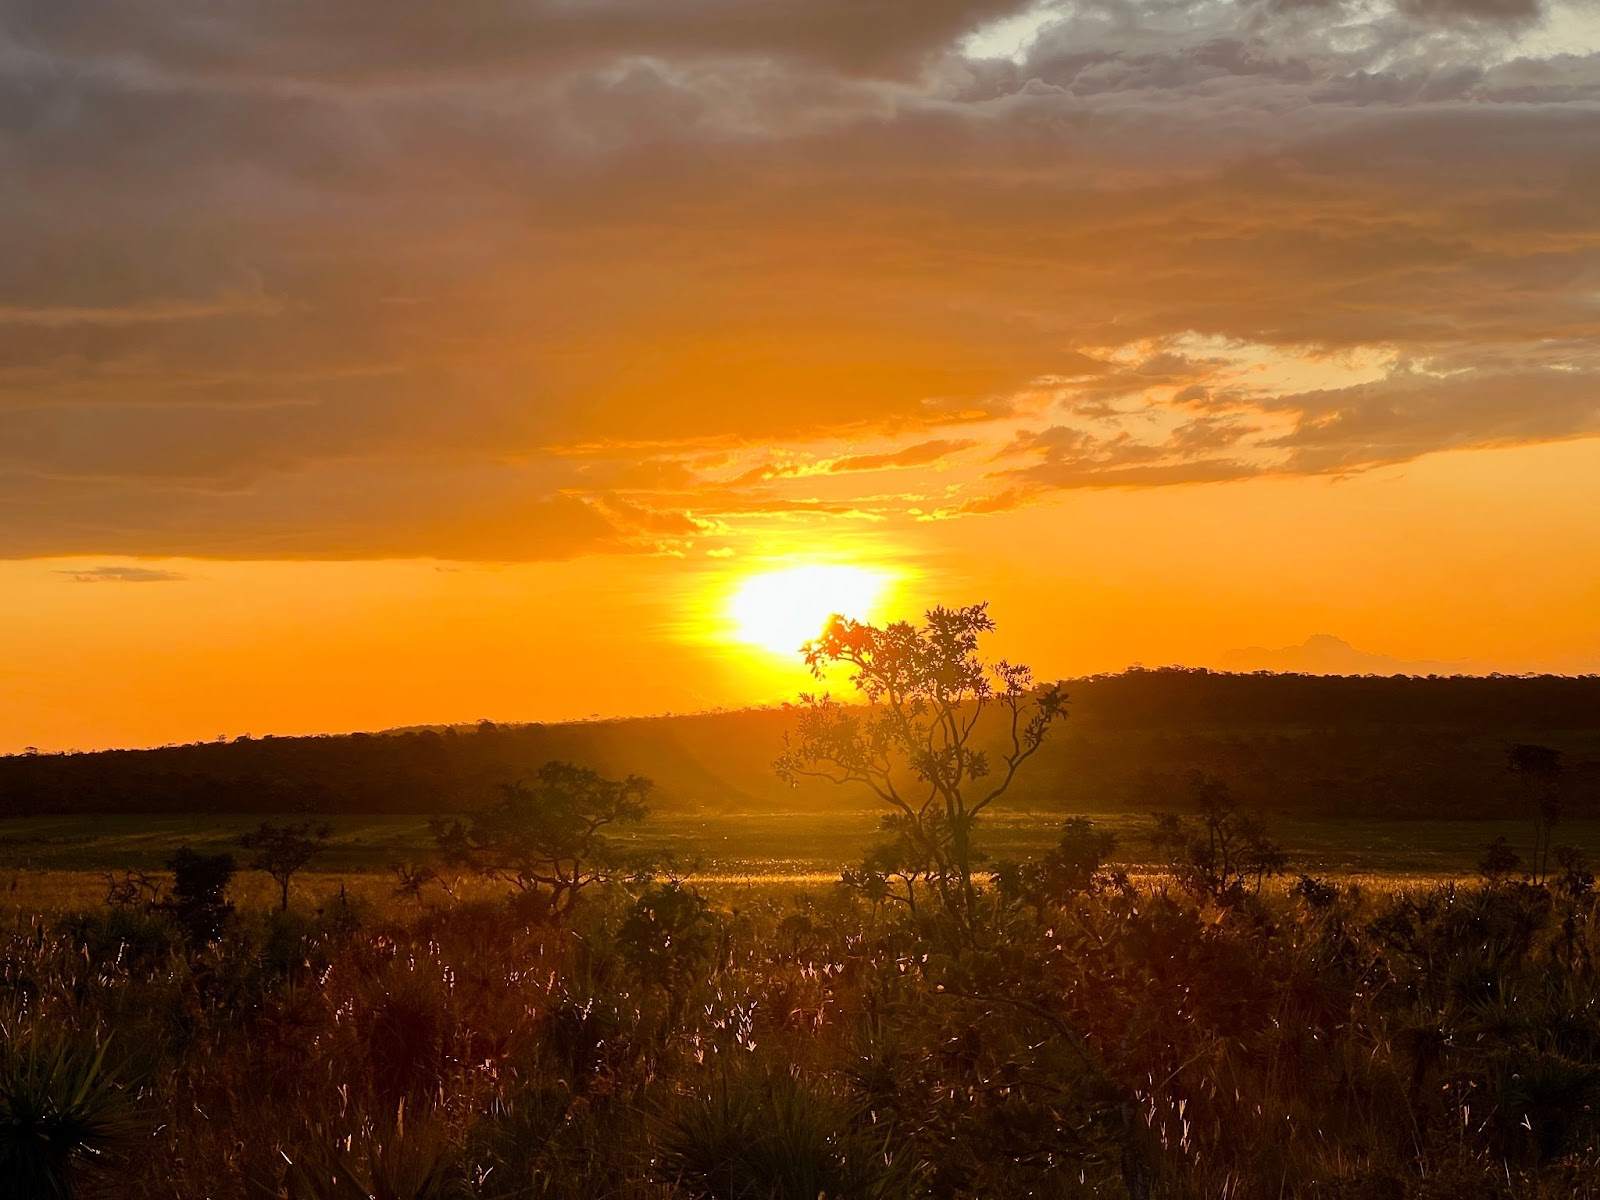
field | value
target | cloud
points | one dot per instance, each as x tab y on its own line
352	42
292	280
340	511
1511	11
123	575
979	506
1410	413
920	455
137	314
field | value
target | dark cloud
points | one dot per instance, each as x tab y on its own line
1515	11
980	506
1059	441
123	575
1208	434
1111	473
406	41
344	279
340	511
919	455
1410	414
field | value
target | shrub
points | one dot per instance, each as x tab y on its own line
549	841
199	892
668	936
1223	851
1499	862
63	1117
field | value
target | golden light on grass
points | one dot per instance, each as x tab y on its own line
779	611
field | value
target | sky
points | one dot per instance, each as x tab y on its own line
366	365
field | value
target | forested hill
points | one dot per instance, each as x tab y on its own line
1397	746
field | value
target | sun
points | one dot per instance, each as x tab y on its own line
782	610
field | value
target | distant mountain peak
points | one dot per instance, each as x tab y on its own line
1328	654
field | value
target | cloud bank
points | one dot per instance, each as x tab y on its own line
533	280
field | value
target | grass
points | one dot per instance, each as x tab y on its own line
55	864
1440	1044
792	845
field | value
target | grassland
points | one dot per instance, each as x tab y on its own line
57	861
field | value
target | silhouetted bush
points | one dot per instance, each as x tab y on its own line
62	1117
199	892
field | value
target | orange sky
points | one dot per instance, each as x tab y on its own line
355	375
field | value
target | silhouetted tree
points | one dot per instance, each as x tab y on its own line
411	879
1077	864
199	892
1224	850
283	850
549	840
1499	861
912	743
894	868
1538	768
129	889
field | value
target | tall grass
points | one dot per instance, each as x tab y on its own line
1134	1040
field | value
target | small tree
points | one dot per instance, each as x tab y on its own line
1539	770
1499	861
549	840
1076	865
894	868
283	850
913	742
1224	850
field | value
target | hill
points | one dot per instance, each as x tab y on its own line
1325	745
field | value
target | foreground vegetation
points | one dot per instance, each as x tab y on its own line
1086	1038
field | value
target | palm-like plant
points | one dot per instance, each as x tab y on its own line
62	1115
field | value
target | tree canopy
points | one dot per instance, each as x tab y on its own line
550	839
926	692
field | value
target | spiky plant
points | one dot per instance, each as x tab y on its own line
62	1117
764	1134
395	1162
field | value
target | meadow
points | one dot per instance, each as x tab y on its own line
57	862
1118	1027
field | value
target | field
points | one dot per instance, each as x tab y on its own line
764	1034
767	847
763	845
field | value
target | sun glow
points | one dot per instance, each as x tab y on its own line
781	610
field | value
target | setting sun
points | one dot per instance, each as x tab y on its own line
781	610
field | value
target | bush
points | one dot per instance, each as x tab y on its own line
199	892
63	1118
667	936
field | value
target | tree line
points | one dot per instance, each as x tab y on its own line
1282	743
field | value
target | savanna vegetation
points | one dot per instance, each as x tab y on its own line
586	1021
1292	745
